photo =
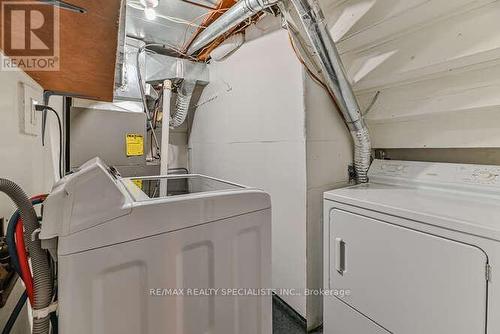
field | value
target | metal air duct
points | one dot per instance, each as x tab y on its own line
312	18
236	14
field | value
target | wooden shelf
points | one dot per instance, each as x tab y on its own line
88	48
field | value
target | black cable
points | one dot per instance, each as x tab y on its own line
68	102
17	310
11	242
15	313
53	316
40	107
54	323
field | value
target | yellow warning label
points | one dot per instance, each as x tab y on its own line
138	183
135	144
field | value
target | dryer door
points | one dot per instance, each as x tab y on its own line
408	282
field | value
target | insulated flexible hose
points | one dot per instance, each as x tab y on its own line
182	103
362	153
42	276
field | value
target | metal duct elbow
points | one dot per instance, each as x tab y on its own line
182	103
236	14
312	19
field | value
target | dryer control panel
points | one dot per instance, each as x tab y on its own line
439	174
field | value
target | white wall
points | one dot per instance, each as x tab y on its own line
24	160
329	152
249	128
436	64
263	122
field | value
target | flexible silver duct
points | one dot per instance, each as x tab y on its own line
182	103
312	18
238	13
42	277
362	153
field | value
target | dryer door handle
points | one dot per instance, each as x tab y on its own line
340	256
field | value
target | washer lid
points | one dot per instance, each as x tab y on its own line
465	198
172	186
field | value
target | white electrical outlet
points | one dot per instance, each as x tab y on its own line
30	118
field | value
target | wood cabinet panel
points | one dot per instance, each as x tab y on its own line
88	46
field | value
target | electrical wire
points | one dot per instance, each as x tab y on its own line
9	325
204	53
43	108
54	323
180	21
139	6
372	103
199	4
143	93
60	141
15	314
11	242
236	30
174	48
53	316
314	76
159	102
185	42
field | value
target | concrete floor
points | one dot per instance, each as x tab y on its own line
317	331
286	320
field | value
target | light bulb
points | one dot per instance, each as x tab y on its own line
150	13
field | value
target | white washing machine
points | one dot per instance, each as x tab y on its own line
179	254
414	251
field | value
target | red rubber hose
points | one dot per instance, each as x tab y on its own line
26	275
41	197
23	260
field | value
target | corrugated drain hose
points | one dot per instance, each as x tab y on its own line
42	277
